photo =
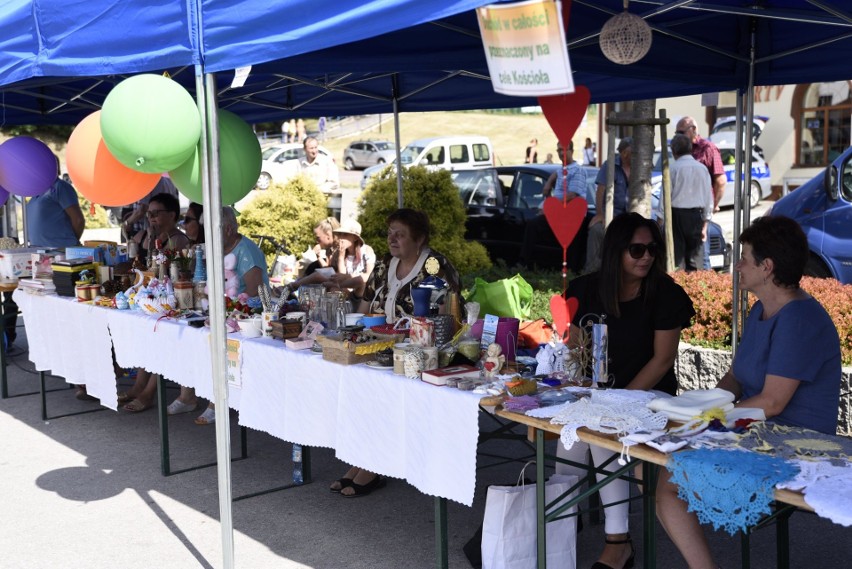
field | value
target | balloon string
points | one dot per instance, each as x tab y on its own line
564	179
564	269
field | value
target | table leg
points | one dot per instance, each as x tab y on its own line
4	386
540	505
650	473
42	392
441	548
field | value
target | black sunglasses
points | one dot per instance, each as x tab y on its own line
637	250
187	219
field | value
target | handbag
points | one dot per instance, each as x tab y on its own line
510	297
509	527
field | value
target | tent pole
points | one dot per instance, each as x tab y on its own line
206	95
738	205
395	87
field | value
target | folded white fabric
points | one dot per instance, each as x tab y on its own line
690	404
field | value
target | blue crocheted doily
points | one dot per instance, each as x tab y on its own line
730	489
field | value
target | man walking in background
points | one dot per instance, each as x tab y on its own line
319	167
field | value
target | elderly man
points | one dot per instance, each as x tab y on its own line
319	167
620	201
692	205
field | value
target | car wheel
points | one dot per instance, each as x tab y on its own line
349	164
817	268
754	195
263	181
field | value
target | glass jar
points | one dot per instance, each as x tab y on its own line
199	294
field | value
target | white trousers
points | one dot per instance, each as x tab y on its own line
615	491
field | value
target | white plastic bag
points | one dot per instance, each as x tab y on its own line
509	527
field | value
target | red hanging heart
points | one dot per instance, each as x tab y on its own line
562	311
564	113
565	220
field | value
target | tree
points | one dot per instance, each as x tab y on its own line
289	212
642	161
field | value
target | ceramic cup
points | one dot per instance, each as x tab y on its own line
354	318
250	327
267	317
398	357
370	320
430	358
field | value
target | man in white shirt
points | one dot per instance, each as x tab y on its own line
692	205
319	167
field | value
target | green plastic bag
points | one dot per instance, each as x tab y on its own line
510	297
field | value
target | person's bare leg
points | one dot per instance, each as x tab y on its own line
682	526
149	392
142	378
187	395
362	478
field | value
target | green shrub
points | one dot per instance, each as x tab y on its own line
433	193
96	218
287	212
711	295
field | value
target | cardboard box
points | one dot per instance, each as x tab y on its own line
108	254
442	374
16	263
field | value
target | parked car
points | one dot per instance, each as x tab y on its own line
281	162
366	153
441	153
823	207
498	212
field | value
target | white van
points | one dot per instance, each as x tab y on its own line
442	153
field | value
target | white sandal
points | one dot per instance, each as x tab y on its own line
177	407
206	418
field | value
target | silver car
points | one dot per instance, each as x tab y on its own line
366	153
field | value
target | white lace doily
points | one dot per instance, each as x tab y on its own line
612	411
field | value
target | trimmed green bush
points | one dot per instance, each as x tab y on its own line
287	212
433	193
96	218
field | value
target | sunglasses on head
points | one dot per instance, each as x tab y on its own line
637	250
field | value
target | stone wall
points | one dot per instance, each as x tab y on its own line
701	368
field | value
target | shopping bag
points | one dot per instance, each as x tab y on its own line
509	527
507	297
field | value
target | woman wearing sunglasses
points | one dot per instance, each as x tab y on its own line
644	310
192	223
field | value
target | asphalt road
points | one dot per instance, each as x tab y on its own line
725	218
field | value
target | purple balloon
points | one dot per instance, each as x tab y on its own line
27	166
4	195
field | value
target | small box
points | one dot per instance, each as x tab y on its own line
442	374
305	340
285	329
348	353
106	253
16	263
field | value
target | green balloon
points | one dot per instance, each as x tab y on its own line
239	162
150	123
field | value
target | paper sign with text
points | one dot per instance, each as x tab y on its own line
525	48
234	361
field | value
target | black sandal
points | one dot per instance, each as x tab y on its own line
366	489
630	560
344	483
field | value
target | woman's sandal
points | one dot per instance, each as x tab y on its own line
82	395
630	560
136	406
177	407
360	490
342	483
206	418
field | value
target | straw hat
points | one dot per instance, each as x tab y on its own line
351	227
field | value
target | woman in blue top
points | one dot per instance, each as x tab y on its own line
788	361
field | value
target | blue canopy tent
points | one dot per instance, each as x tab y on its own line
58	60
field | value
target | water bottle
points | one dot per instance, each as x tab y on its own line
297	465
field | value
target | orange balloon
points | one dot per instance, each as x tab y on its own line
96	174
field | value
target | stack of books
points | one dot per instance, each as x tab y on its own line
37	286
66	273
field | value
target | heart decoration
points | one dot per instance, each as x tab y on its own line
565	219
564	113
562	310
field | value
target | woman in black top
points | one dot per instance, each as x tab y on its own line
644	310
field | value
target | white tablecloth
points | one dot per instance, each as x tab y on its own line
397	427
71	340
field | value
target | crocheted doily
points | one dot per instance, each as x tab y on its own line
827	489
796	443
611	411
730	489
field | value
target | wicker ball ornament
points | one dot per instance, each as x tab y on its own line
625	38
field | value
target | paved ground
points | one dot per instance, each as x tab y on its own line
86	492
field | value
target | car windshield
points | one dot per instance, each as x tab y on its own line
267	154
477	187
409	153
385	145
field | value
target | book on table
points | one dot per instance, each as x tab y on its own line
440	375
